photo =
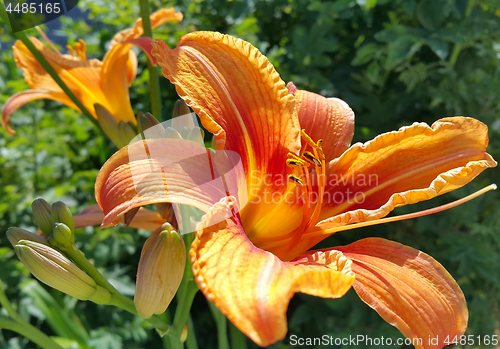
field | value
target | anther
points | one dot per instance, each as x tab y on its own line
311	158
308	139
70	49
293	162
295	179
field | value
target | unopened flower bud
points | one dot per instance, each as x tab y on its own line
160	271
185	132
180	108
42	215
171	133
54	269
15	234
62	236
101	296
119	132
150	127
196	135
62	214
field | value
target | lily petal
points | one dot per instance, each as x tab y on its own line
329	119
21	98
115	81
81	76
403	167
143	219
253	287
167	170
157	18
236	92
409	289
146	45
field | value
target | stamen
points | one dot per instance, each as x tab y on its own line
295	179
308	139
297	158
40	31
80	49
311	158
292	162
71	51
409	215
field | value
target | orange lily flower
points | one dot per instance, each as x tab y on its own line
300	190
92	81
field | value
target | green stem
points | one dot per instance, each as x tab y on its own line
238	339
48	68
79	258
30	332
188	288
191	342
154	81
221	322
458	47
17	324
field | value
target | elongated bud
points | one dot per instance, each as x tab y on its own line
180	108
119	132
196	135
185	132
150	127
54	269
42	215
15	234
160	271
62	214
62	236
171	133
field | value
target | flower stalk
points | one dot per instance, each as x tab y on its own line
154	81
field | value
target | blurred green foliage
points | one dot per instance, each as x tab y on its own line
393	61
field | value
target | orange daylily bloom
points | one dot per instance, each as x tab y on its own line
92	81
300	190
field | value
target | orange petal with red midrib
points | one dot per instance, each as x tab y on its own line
253	287
238	96
413	164
21	98
409	289
166	170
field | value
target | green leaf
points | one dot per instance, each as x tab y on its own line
365	54
63	321
401	49
430	14
372	73
439	47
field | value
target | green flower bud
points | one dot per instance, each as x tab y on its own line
15	234
119	132
185	132
54	269
62	236
101	296
62	214
196	135
150	127
160	271
171	133
42	214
